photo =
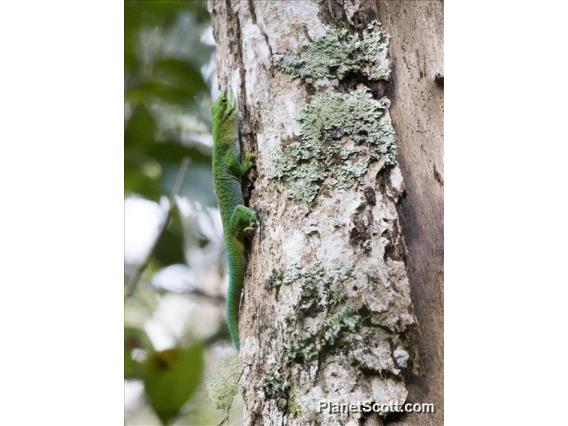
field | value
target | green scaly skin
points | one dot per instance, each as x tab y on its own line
238	220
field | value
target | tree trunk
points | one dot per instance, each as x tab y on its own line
417	112
326	313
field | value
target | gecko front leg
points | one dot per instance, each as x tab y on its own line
239	168
248	161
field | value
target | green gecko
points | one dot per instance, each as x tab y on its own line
238	220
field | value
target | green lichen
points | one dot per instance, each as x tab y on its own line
291	273
380	73
341	134
313	287
321	291
309	298
306	346
294	406
345	320
275	279
340	53
303	347
276	385
283	276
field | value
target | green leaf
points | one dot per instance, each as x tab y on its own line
134	338
182	74
140	128
170	379
152	90
145	158
140	15
170	247
142	175
173	152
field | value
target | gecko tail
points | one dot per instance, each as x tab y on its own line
233	318
233	301
236	268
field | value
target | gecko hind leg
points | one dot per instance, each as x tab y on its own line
243	221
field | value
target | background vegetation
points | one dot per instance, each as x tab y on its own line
175	333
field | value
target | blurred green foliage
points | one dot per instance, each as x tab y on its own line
169	247
134	338
166	106
162	58
166	120
170	379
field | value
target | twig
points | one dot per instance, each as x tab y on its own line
180	177
194	291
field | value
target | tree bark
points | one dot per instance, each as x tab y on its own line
326	313
417	94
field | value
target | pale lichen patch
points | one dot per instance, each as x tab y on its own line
320	291
276	385
341	134
283	276
401	357
340	53
306	346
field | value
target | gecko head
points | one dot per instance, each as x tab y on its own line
225	107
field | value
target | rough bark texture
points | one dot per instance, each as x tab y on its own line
327	312
417	94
